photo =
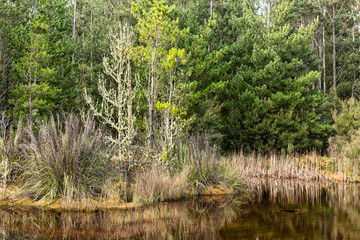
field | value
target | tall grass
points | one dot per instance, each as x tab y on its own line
197	169
158	184
207	167
306	167
9	143
70	160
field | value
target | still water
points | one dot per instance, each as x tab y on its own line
277	210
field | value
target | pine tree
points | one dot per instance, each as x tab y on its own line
269	103
34	95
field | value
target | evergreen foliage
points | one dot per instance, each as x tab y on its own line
254	75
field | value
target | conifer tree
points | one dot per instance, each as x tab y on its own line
34	94
269	103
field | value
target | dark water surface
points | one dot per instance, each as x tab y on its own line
281	210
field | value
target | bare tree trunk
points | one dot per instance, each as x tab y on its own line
74	31
130	113
3	84
354	73
334	54
268	10
91	44
130	123
152	99
320	57
211	16
167	120
324	58
30	90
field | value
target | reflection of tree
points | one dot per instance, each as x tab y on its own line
298	210
282	210
182	220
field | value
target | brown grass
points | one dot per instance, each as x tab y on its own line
306	167
157	184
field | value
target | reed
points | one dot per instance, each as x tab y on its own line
305	167
158	184
207	167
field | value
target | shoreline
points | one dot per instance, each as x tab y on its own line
92	205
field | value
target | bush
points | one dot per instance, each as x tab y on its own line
345	147
67	161
348	120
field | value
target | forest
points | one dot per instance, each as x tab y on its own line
154	100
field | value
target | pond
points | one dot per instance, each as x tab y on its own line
279	210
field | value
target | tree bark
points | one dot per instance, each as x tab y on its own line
319	85
211	16
324	58
30	90
152	98
74	31
334	54
353	85
268	10
91	44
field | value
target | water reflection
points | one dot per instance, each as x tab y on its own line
199	219
280	210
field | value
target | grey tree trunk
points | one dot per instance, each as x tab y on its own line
268	10
74	30
324	58
334	54
91	44
152	98
353	85
320	55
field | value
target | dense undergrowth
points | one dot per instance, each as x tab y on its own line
72	159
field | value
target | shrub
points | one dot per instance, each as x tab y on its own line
348	120
345	147
68	160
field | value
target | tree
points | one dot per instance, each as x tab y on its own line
269	103
19	19
13	35
116	107
34	94
337	20
94	19
158	36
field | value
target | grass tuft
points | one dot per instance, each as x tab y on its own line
65	161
